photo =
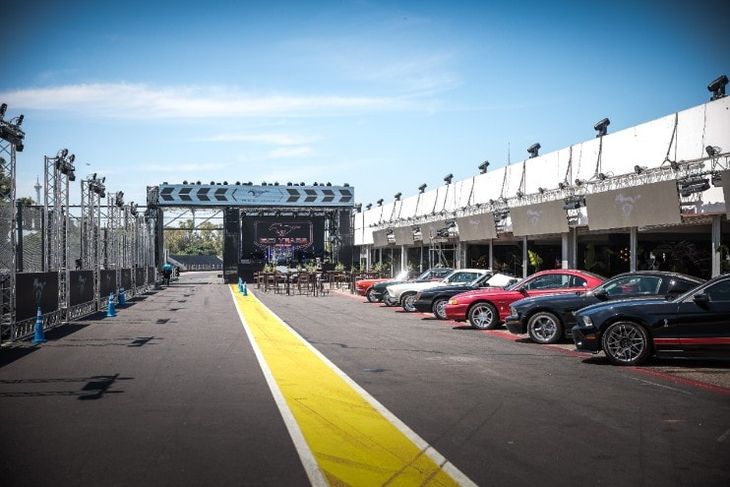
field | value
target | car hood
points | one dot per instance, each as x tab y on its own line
492	292
415	286
553	299
447	288
625	304
385	284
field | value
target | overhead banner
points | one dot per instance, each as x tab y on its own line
650	204
430	230
243	195
380	238
476	227
404	236
725	179
539	219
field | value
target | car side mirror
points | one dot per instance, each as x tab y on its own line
523	290
601	294
701	299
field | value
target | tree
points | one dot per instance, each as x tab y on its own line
185	240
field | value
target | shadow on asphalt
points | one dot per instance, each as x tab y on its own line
673	361
9	355
95	387
64	331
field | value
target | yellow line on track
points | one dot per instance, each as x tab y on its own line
352	437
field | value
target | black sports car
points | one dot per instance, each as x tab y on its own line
631	331
379	290
548	318
434	300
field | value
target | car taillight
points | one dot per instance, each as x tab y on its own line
453	301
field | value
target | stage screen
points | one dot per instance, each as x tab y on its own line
650	204
281	240
539	219
476	227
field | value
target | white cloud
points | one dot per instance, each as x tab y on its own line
139	101
196	167
272	139
284	152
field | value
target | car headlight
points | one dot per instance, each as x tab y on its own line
587	321
453	301
513	311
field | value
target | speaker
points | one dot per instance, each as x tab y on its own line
231	244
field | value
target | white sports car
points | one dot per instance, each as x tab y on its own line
405	293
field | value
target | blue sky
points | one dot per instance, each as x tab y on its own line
382	95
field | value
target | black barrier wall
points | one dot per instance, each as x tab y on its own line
139	277
107	283
82	287
33	289
150	275
126	279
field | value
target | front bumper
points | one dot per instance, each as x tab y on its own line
423	305
515	325
586	339
456	312
361	292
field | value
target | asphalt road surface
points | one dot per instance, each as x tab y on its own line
170	392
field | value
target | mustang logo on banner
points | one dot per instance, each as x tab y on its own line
638	206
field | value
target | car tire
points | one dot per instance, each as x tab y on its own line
439	308
407	302
626	343
544	328
370	295
388	301
483	316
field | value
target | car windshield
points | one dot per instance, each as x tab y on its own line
425	275
481	279
401	276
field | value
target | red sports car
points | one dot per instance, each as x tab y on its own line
364	286
487	308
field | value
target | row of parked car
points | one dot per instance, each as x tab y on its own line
629	317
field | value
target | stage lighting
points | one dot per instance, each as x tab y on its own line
534	149
716	179
119	199
712	151
601	176
422	188
483	167
380	202
640	169
263	183
346	185
562	185
225	183
448	178
19	120
520	194
579	182
315	184
397	196
301	184
717	88
62	153
601	127
11	131
692	185
674	165
368	206
288	183
541	190
3	109
276	183
358	207
185	181
492	202
329	184
133	209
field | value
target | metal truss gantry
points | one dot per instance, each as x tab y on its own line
9	244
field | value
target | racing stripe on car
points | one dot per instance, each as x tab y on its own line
343	435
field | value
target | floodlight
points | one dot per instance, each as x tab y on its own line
185	181
483	167
225	183
520	194
62	153
3	109
288	183
574	202
329	184
579	182
422	188
448	178
601	127
717	87
346	185
368	206
380	202
358	207
541	190
712	151
562	185
119	199
397	196
692	185
533	149
601	176
19	120
674	165
72	158
640	169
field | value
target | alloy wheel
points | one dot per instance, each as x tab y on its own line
408	303
625	343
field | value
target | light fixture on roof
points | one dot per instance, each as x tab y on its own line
601	127
483	167
574	202
640	169
380	202
520	194
579	182
601	176
562	185
534	149
541	190
397	196
358	207
10	131
368	206
717	88
119	199
692	185
713	151
448	178
422	188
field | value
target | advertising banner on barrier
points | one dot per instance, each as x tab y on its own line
725	178
107	282
34	289
126	279
638	206
539	219
404	236
139	276
150	275
476	227
81	287
380	238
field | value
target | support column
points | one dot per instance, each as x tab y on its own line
568	250
525	260
716	242
633	246
491	254
403	258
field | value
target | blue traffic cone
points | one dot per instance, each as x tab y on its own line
240	285
39	337
122	297
110	311
244	291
